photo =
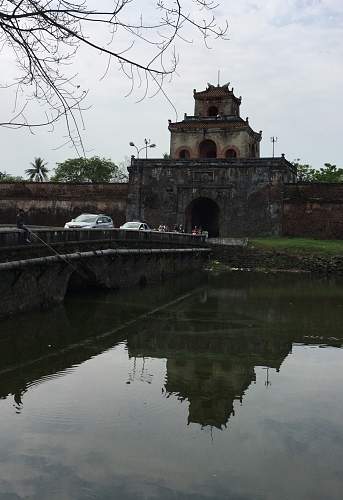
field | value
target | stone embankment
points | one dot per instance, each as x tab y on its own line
245	257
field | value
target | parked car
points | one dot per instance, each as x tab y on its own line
135	226
90	221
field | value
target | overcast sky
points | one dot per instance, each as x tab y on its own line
284	57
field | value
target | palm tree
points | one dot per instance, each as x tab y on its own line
38	172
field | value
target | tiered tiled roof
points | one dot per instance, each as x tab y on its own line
213	92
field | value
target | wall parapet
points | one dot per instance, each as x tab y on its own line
60	190
270	162
51	236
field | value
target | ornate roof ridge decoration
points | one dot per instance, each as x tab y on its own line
215	91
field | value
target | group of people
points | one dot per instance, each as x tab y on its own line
177	228
197	230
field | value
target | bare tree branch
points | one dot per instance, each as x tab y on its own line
43	38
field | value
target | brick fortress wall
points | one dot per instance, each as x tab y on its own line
53	204
309	210
313	210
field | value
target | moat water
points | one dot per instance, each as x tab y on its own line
229	388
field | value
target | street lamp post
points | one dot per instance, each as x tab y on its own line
147	144
134	146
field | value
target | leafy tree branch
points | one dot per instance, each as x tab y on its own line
328	173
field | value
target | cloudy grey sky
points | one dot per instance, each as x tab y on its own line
284	57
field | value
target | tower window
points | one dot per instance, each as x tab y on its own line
230	153
184	154
213	111
208	149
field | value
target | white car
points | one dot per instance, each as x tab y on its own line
135	226
90	221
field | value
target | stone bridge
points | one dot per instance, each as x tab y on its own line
39	274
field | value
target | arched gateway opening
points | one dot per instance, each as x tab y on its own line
203	213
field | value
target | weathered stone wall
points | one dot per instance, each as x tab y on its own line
248	193
53	204
313	210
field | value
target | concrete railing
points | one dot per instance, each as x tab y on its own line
51	236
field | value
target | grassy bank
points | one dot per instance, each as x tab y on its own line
299	245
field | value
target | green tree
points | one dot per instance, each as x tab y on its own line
328	173
304	171
38	171
93	169
5	177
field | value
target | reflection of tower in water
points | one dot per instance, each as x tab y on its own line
211	355
210	385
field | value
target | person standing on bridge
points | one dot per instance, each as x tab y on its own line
21	224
